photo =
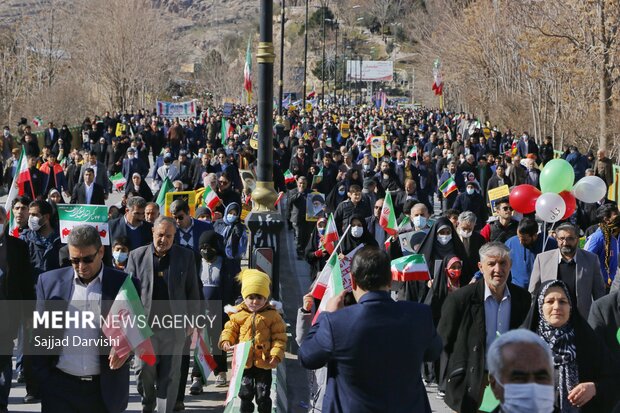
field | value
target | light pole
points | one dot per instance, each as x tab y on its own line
281	81
323	62
305	57
335	23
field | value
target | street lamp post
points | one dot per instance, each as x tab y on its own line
281	81
264	222
305	57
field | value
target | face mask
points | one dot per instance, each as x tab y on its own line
6	133
464	234
120	256
208	254
419	221
321	231
454	274
527	397
470	191
341	193
366	167
34	223
231	218
444	239
357	232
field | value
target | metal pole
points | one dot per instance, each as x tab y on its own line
281	81
264	195
336	68
305	57
323	63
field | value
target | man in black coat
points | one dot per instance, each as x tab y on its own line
88	192
51	135
471	318
604	319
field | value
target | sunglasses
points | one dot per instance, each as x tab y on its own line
89	259
506	208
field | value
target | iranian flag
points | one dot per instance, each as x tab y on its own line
37	121
21	182
288	177
239	358
226	130
387	220
330	237
122	325
203	358
210	198
166	187
410	268
448	187
405	225
413	152
334	284
118	180
247	71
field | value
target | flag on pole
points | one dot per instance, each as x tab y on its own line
210	198
405	225
410	268
118	180
247	71
448	187
334	284
387	220
437	78
166	187
413	152
37	121
121	326
203	358
330	237
226	130
288	177
22	182
239	358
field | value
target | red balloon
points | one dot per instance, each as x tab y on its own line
523	198
571	203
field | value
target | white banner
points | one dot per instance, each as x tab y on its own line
74	215
345	268
176	110
370	70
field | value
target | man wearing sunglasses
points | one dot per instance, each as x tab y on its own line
504	227
79	377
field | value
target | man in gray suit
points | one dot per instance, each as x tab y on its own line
579	269
169	286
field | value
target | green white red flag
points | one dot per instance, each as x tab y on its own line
330	237
203	358
239	358
166	187
226	130
247	71
21	182
210	198
118	180
387	220
410	268
288	177
413	152
448	187
334	284
123	326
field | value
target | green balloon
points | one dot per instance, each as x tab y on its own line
557	176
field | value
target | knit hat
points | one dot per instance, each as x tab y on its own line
254	282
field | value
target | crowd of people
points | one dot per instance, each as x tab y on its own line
492	270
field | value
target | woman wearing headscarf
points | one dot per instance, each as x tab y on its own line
315	254
235	238
586	379
358	234
54	197
336	196
440	242
353	177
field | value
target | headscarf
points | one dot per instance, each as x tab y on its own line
232	206
441	287
349	242
433	250
562	343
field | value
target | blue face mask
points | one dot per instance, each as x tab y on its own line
341	193
231	218
120	256
470	191
321	231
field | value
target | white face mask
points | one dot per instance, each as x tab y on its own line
444	239
357	232
34	223
470	191
528	398
120	256
419	221
464	234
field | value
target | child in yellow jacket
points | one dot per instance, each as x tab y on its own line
258	320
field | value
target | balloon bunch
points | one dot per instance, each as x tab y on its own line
558	198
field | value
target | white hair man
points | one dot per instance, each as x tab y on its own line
521	373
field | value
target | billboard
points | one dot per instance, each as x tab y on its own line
370	70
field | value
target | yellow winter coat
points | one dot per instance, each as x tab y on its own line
266	327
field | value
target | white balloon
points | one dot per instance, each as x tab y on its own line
550	207
590	189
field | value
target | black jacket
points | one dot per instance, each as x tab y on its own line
79	195
463	331
604	319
